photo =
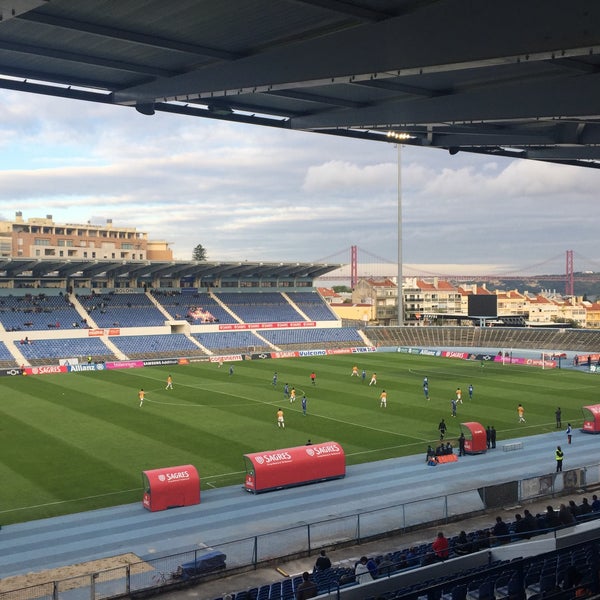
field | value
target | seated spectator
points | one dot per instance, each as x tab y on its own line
361	571
565	515
440	547
574	508
412	557
385	567
585	507
530	520
462	545
551	518
522	531
501	531
595	503
372	566
322	563
307	589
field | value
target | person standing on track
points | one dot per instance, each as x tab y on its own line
559	455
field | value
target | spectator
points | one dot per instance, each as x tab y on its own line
361	571
522	531
565	515
551	518
372	566
530	520
385	567
412	557
501	531
462	545
322	563
595	503
440	547
584	507
307	589
574	508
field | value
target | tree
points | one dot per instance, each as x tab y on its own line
199	253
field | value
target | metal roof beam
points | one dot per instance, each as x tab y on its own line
128	36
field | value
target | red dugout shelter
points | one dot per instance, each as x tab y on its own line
171	487
475	438
276	469
591	418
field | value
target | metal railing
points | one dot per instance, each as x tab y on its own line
302	540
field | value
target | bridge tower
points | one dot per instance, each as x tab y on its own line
569	287
353	266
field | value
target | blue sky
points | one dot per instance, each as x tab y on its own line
252	193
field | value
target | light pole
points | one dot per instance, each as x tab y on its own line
399	137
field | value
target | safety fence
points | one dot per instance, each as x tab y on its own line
154	575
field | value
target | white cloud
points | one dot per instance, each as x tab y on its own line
267	194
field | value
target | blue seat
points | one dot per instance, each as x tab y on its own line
457	592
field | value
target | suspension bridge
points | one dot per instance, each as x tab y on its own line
363	264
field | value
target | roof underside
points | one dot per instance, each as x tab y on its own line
32	268
510	78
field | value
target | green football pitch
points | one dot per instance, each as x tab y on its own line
77	442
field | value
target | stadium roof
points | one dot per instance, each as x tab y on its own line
88	269
510	78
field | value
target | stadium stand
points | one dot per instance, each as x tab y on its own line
37	311
231	341
122	310
194	307
45	351
6	358
312	305
333	337
580	340
566	573
150	346
264	307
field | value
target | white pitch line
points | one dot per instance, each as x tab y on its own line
57	502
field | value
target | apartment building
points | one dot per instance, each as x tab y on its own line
43	238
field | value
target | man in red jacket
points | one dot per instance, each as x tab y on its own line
440	547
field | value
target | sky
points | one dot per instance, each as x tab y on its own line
260	194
